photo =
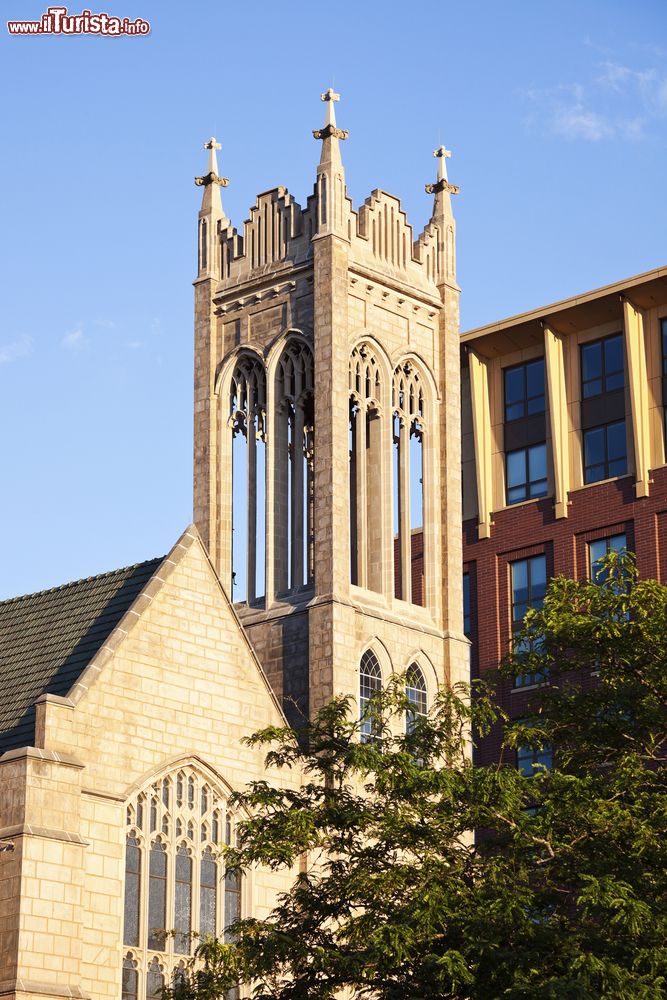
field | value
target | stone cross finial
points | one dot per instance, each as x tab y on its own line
442	184
442	155
329	96
212	176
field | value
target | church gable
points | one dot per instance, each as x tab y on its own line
177	677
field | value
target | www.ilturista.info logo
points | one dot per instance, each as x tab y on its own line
56	21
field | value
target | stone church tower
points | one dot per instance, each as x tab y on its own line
326	555
327	432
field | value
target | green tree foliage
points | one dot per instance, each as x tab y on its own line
563	893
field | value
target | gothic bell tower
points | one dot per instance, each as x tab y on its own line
327	432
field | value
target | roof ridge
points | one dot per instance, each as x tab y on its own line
83	579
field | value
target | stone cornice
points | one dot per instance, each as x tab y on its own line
12	987
34	753
42	833
405	289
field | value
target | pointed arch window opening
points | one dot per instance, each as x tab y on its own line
366	447
175	885
408	434
370	686
248	428
295	448
417	695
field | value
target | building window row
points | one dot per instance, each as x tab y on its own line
528	579
602	419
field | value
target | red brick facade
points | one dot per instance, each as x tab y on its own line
528	529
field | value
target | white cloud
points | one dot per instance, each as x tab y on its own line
19	348
577	123
106	324
616	102
74	339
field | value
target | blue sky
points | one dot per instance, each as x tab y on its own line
557	117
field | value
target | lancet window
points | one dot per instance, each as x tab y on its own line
408	429
365	469
370	685
176	888
294	442
417	695
247	419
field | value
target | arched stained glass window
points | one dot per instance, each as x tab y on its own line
415	689
208	882
370	684
132	891
157	896
175	885
183	900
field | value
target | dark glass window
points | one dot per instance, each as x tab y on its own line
157	897
183	901
529	759
602	368
232	901
663	327
526	473
524	390
466	604
208	881
598	549
132	891
529	584
605	452
370	684
415	689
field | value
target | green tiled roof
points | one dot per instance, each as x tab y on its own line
47	640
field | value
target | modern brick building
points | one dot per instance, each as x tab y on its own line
563	424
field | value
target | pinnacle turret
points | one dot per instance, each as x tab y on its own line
331	193
330	134
211	182
442	189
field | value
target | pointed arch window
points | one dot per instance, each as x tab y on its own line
365	469
295	443
370	685
248	428
176	888
417	695
409	429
